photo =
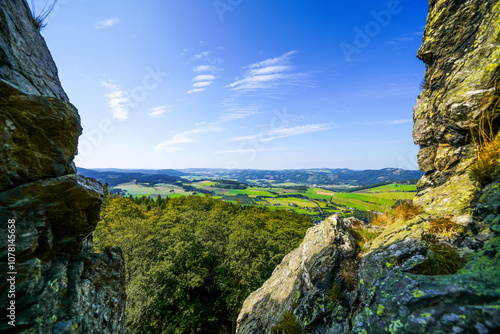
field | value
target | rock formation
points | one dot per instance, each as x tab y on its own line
391	292
61	285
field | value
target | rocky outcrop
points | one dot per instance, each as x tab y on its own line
25	60
57	284
394	289
302	283
461	49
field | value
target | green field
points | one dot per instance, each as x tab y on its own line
315	202
375	199
135	189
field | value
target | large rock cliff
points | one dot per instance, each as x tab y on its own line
57	284
393	289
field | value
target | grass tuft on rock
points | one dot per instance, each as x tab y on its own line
442	259
403	210
349	271
335	295
486	142
39	19
287	325
444	226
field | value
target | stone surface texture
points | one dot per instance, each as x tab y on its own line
461	49
61	285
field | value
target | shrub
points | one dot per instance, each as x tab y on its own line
287	325
442	259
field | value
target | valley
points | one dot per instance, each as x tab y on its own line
315	201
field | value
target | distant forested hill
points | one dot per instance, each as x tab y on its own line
300	176
118	176
314	176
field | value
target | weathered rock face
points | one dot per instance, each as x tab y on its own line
25	60
461	49
302	283
61	285
392	294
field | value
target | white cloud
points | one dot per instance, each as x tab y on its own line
268	74
117	101
273	61
203	55
204	68
108	23
283	132
202	84
234	110
204	77
184	138
159	111
196	90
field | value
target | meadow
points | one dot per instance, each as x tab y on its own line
315	202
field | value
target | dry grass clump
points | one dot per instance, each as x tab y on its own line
442	259
349	271
382	220
406	210
403	210
486	142
444	226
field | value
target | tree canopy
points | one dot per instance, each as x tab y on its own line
192	261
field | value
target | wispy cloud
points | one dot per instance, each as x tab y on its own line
204	68
117	101
204	77
203	55
201	82
196	90
159	111
283	132
393	122
268	74
234	110
184	137
108	23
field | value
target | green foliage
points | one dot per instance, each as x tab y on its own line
288	325
192	261
335	295
442	259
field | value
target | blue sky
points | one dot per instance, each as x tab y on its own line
241	83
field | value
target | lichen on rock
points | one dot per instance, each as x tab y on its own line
396	291
62	286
